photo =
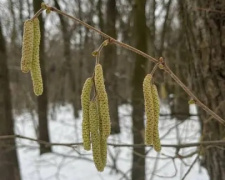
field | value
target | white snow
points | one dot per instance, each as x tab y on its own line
76	164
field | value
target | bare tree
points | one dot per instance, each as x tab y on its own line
67	65
110	65
43	99
138	168
204	27
9	167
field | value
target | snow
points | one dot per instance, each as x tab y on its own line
77	164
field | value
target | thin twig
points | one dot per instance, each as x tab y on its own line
112	40
37	14
190	168
154	69
187	145
166	68
188	91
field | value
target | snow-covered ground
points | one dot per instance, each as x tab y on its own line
76	164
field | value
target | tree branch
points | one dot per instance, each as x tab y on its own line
162	63
187	145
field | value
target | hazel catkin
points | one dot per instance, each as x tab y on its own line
36	69
103	145
103	101
149	109
156	139
103	148
95	136
27	47
85	102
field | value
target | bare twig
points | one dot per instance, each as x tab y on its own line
190	168
37	13
112	40
72	145
188	91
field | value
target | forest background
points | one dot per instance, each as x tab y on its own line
189	35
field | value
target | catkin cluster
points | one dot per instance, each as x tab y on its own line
30	54
96	120
152	113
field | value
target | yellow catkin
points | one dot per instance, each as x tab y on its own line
95	135
103	145
36	69
103	142
163	93
149	109
85	102
156	139
103	101
27	48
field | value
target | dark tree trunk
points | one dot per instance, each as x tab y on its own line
110	66
100	15
43	99
205	33
138	168
9	167
179	104
67	66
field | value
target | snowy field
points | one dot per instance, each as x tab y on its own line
76	164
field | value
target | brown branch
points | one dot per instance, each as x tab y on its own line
187	145
166	68
37	14
188	91
112	40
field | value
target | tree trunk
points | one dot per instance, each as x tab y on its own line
206	36
43	99
9	167
110	66
100	15
179	104
138	168
67	68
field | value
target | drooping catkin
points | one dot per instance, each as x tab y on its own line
85	102
36	69
103	101
27	47
149	109
156	139
103	144
95	135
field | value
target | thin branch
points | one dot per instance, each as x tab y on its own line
154	69
112	40
37	14
188	171
187	145
166	68
188	91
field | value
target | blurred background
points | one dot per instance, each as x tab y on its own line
190	35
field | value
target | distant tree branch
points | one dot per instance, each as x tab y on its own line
189	169
72	145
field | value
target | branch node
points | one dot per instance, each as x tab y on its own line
161	64
95	53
